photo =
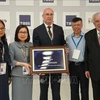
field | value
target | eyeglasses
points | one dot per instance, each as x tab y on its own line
2	29
23	32
47	14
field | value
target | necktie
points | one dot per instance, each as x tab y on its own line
49	31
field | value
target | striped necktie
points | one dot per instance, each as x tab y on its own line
49	31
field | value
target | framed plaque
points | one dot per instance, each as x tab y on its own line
48	59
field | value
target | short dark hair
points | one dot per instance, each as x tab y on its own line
3	38
17	31
76	19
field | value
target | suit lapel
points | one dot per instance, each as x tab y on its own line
44	29
45	34
54	31
95	38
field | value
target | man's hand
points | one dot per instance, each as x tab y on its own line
67	50
87	74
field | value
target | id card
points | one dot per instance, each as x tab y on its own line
2	68
25	71
76	54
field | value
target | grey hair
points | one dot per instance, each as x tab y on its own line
96	14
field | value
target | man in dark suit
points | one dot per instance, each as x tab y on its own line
92	56
49	34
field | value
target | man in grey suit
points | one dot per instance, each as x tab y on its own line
49	34
92	56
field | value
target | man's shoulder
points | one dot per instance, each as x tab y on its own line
55	25
90	32
68	36
38	27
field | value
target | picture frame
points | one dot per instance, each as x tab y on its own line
48	59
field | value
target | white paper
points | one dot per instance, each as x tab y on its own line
2	68
25	71
76	54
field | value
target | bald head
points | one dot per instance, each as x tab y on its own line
48	14
47	9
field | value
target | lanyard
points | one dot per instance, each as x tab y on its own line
3	52
25	54
78	41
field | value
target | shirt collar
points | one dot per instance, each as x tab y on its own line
21	45
48	25
80	34
98	31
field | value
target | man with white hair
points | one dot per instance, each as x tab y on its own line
92	56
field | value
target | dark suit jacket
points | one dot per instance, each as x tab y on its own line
92	54
41	38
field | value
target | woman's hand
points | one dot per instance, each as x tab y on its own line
9	80
27	66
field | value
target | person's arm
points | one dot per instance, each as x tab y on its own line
8	64
36	41
28	66
87	73
9	73
15	62
63	42
12	54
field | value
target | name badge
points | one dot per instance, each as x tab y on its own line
25	71
2	68
76	54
